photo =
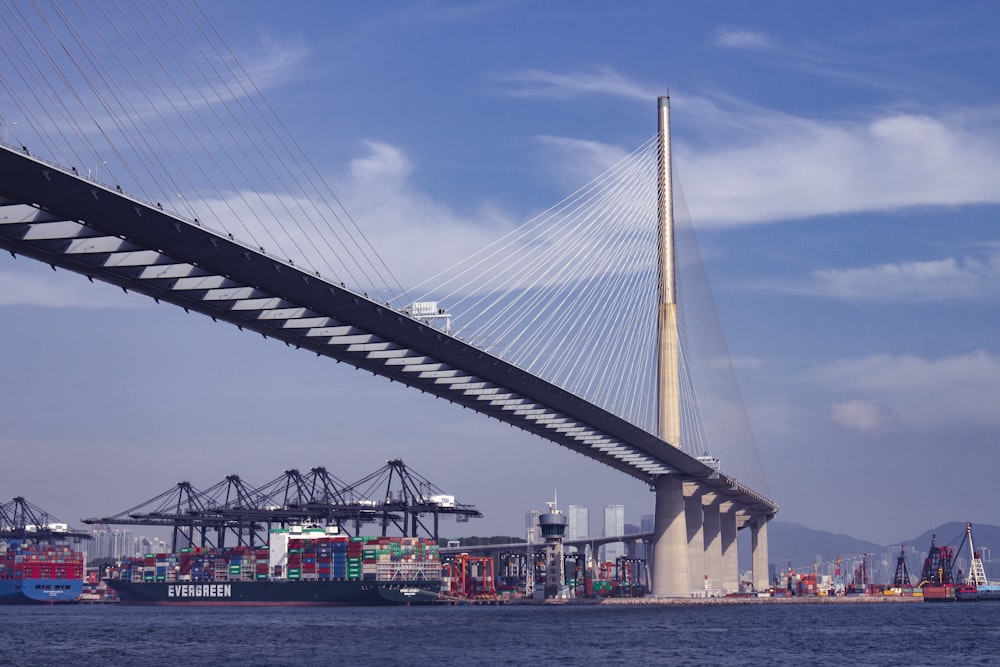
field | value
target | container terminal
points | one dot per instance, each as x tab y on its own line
305	539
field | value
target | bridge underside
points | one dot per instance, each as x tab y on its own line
62	219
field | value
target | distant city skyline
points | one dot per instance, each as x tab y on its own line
119	543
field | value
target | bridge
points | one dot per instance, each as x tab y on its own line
52	213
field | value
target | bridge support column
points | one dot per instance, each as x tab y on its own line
713	545
730	555
758	532
670	561
695	538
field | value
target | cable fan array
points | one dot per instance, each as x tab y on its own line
571	294
149	98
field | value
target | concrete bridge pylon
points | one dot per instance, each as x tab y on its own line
671	572
694	535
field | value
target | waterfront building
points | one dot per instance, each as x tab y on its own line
614	524
579	522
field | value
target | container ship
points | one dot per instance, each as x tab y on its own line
299	566
39	573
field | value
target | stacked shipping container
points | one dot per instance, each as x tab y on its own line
298	555
42	561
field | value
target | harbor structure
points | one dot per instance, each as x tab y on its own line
553	525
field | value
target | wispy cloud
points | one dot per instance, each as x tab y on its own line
740	39
580	160
969	278
36	285
853	65
600	80
275	62
919	392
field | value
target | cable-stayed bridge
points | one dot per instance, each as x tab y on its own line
55	214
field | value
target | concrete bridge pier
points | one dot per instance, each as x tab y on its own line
630	549
711	525
695	537
727	542
670	553
758	533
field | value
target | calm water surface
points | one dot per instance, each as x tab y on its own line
808	634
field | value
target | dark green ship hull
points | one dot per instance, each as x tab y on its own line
277	592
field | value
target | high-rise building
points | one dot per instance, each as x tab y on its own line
101	544
144	545
579	522
122	545
614	524
531	526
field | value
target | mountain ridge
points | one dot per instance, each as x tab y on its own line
802	547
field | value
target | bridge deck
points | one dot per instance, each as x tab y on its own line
55	216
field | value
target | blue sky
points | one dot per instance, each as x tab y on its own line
840	163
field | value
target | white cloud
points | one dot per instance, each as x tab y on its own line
417	235
384	166
863	416
777	167
955	391
735	38
742	164
966	278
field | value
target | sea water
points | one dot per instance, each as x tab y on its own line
902	634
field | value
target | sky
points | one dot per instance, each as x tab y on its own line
840	164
